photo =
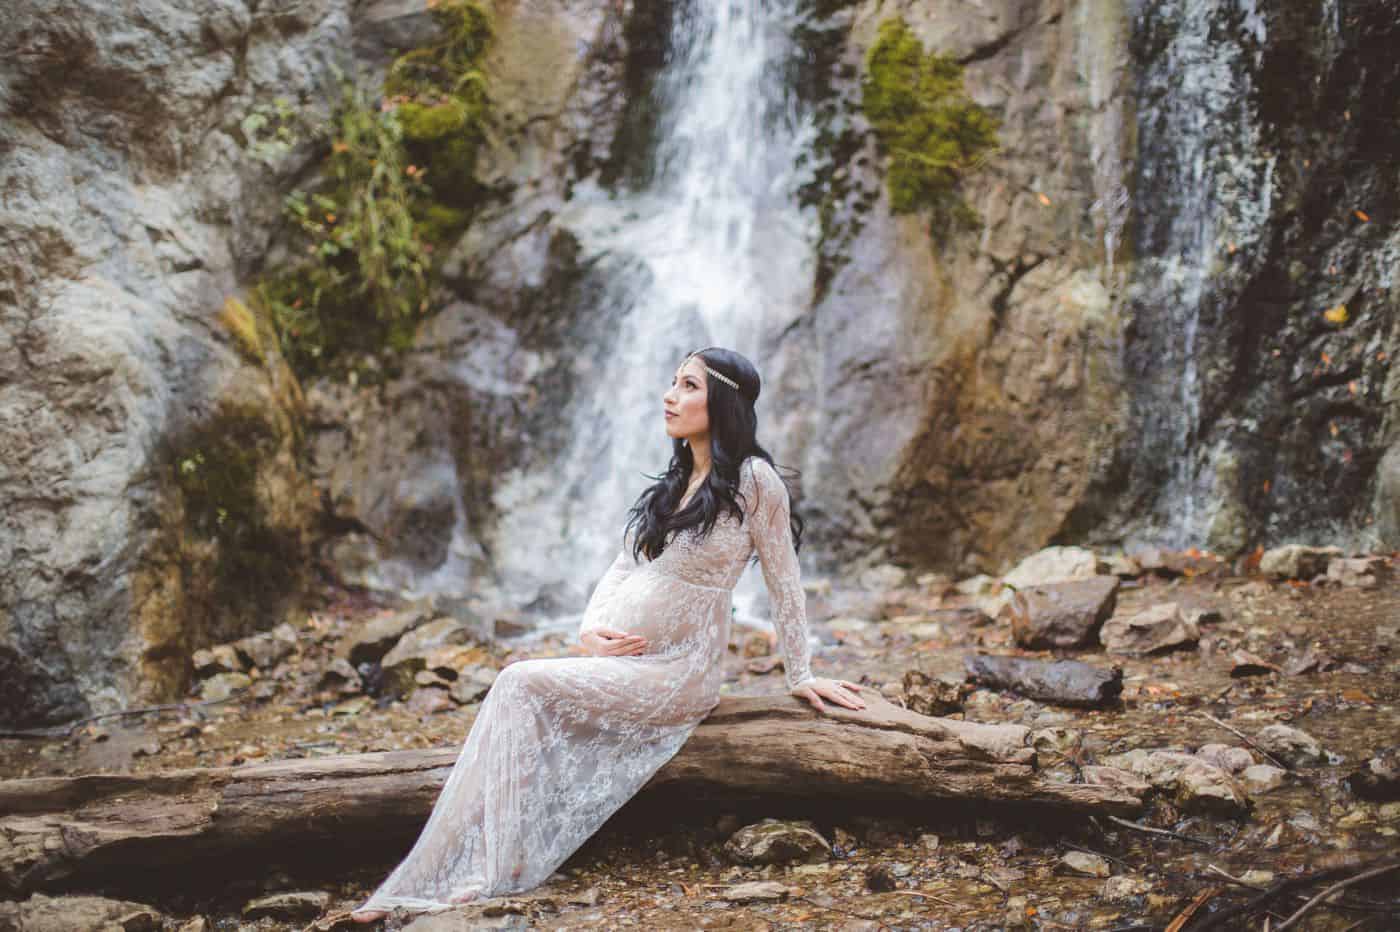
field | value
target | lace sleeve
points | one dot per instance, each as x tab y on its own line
597	611
768	522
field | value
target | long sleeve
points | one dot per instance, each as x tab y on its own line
597	612
768	522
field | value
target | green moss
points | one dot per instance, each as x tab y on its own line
399	181
930	131
235	559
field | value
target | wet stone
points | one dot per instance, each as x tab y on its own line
266	649
1160	628
379	635
1081	862
775	842
1291	745
1296	561
291	906
1229	759
928	695
1124	889
1379	778
1262	778
758	891
1063	614
223	685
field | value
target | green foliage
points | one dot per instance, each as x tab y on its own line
932	133
269	130
398	184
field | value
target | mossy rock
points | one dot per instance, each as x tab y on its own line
923	121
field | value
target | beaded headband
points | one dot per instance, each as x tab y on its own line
719	375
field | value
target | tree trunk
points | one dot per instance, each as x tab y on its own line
71	832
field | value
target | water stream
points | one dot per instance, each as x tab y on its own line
713	251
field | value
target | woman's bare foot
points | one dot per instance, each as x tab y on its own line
367	915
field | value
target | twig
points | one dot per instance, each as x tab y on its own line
1202	898
1247	740
931	896
1157	831
1337	887
1238	881
65	731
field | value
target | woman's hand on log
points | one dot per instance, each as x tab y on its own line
609	642
841	692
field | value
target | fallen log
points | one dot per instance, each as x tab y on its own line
65	833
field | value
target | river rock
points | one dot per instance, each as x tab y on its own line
1060	682
929	695
291	906
1359	572
429	700
1232	760
340	676
1156	629
377	637
1379	779
1054	565
756	891
1291	745
472	685
40	913
1124	889
417	647
1061	615
266	649
223	685
1295	561
1262	778
778	842
1081	862
221	658
1116	777
1195	785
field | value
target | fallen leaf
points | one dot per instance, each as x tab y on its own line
1332	428
1326	360
1351	387
1361	215
1336	315
1043	199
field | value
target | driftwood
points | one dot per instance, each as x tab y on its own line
94	830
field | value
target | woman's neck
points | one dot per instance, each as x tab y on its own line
699	459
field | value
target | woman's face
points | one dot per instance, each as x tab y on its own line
687	416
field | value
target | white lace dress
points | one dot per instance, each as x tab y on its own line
559	744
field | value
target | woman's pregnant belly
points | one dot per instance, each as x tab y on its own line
674	616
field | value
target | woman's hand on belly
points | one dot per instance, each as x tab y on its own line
609	642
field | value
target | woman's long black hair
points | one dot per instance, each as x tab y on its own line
733	429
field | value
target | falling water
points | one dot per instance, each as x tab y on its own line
1204	193
715	251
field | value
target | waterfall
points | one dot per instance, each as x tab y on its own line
1203	194
713	251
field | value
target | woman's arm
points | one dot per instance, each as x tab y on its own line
771	531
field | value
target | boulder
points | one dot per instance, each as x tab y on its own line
1124	889
221	658
472	685
264	650
778	842
1061	615
1055	564
1295	561
1159	628
756	891
1359	572
223	685
1061	682
40	913
414	650
378	636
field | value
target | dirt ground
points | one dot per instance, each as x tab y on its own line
892	869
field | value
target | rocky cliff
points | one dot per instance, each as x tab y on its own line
1172	321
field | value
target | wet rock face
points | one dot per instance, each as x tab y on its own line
1262	315
131	211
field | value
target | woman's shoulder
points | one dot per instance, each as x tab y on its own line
755	470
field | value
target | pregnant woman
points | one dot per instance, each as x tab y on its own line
559	744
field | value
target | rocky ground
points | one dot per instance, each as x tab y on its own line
1252	698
